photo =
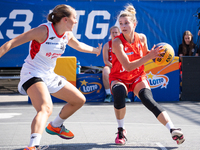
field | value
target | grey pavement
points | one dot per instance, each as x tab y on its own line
94	126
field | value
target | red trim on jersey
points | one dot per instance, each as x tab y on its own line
35	48
59	36
110	51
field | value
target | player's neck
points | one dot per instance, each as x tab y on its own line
129	38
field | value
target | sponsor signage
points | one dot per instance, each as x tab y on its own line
91	86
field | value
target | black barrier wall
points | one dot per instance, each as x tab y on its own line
190	78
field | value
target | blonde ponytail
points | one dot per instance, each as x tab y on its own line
129	11
129	8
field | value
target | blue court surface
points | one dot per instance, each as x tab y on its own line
94	126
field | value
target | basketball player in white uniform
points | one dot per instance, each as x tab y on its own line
37	78
42	58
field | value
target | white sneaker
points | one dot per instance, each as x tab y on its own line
177	136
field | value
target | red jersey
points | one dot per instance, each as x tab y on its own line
134	51
110	51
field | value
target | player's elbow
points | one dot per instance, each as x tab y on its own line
129	67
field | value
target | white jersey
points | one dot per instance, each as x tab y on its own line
42	57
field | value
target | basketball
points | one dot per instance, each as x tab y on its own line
167	56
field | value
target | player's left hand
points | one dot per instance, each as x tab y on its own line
155	52
98	52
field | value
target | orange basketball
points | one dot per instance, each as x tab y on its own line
167	56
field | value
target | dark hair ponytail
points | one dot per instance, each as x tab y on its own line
59	12
50	17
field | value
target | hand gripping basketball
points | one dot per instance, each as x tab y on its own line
164	58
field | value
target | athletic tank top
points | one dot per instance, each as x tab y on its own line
110	51
134	51
42	56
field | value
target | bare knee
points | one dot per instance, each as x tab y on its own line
79	102
46	110
82	101
105	75
106	72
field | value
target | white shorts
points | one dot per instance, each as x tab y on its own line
53	81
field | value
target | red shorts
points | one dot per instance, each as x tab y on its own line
130	86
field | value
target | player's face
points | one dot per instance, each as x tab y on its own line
126	25
187	39
71	21
114	32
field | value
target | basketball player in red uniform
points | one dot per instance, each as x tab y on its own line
107	57
130	52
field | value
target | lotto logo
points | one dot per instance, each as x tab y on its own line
156	81
89	87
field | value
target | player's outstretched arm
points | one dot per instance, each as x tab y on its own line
105	55
82	47
39	34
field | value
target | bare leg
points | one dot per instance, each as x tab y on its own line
120	113
41	101
105	76
74	98
164	118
